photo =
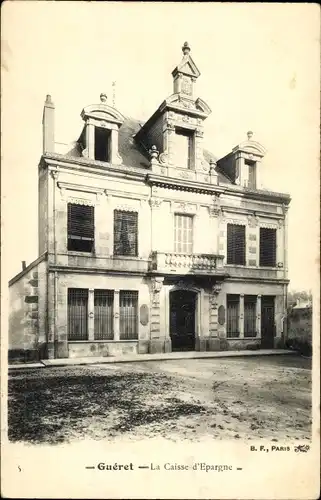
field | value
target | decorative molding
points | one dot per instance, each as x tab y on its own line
216	288
155	202
188	208
81	201
83	189
280	223
163	157
268	225
253	220
235	221
157	284
125	208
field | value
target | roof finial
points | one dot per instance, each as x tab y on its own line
249	135
103	97
186	49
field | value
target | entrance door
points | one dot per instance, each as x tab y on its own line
182	320
267	322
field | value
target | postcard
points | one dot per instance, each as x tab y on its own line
160	257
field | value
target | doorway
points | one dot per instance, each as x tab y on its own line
182	320
267	321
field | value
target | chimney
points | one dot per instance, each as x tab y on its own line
24	265
48	126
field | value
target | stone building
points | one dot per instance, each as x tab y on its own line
147	242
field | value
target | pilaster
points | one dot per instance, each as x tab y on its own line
241	317
258	316
116	315
91	318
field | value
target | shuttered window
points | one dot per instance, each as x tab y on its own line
81	227
103	314
250	316
232	315
183	235
125	233
128	315
77	314
267	247
235	244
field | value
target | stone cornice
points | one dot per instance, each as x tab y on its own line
145	175
94	166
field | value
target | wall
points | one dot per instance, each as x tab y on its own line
58	320
233	287
42	211
300	324
27	303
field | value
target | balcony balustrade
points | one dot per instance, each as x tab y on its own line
178	263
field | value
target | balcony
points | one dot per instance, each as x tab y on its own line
194	264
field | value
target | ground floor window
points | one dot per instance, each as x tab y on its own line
103	314
128	315
77	314
102	311
250	315
233	314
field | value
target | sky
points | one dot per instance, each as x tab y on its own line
259	67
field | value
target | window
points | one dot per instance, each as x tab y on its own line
128	315
81	227
235	244
125	233
267	247
102	144
104	314
77	314
232	315
183	148
249	174
249	316
183	234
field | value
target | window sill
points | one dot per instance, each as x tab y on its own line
81	254
99	341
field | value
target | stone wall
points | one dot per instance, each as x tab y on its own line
27	303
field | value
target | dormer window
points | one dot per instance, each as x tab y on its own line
99	138
183	149
102	144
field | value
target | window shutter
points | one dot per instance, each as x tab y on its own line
267	247
125	233
81	221
235	244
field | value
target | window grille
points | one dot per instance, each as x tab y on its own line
77	314
125	233
250	316
183	236
128	315
103	314
81	227
267	247
232	316
235	244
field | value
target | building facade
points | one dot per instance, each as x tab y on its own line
147	242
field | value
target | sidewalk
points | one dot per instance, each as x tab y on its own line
47	363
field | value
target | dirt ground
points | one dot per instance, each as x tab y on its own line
223	398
